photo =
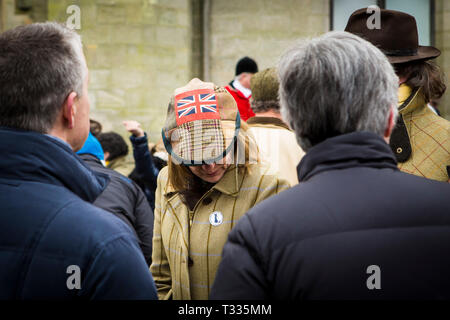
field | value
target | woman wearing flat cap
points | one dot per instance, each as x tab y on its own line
213	177
420	139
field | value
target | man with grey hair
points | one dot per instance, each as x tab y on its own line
355	227
53	243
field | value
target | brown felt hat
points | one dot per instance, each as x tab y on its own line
397	36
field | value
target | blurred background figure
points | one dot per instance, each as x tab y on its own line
95	127
122	197
211	180
434	106
159	153
275	140
240	86
147	167
116	150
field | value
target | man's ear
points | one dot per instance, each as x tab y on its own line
390	124
70	110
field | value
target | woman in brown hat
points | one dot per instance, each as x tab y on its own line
213	177
420	139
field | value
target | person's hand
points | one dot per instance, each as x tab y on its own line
134	128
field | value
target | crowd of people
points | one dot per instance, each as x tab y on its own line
288	183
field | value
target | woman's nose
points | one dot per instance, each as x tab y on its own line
208	167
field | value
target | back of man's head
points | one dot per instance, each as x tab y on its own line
264	86
246	64
40	65
336	84
113	145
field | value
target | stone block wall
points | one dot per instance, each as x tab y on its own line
10	18
137	51
261	29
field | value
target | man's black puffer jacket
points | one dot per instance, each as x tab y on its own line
355	227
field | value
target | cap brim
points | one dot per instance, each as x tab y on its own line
423	53
201	141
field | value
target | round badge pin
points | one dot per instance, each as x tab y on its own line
216	218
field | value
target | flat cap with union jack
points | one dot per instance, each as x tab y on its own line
202	123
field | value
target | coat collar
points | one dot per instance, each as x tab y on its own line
356	149
267	121
247	93
91	159
31	156
404	91
118	162
229	184
410	100
239	94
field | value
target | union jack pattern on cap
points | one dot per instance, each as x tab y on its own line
202	123
196	105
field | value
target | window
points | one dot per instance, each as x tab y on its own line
422	10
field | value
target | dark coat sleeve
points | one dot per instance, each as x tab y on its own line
145	166
144	224
240	275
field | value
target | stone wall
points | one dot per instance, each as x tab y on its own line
9	17
261	29
138	52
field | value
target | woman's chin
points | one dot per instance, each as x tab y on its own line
212	179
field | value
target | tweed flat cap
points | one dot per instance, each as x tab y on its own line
202	123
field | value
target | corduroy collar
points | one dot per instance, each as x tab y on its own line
267	121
